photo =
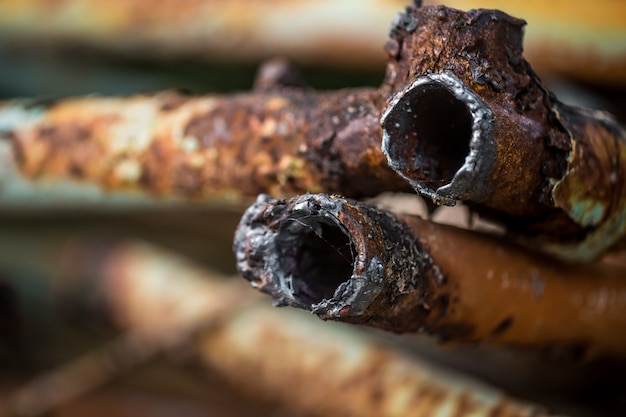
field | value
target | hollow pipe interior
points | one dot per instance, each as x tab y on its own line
429	131
317	255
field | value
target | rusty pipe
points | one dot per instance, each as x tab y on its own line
471	121
587	42
308	32
129	285
279	139
349	261
321	369
163	301
114	281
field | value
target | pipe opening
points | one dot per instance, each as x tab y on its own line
318	255
429	131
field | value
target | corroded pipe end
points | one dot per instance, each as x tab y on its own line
300	253
437	134
337	258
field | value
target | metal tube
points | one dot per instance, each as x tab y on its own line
160	299
302	365
321	369
171	148
348	261
471	121
586	42
466	119
308	32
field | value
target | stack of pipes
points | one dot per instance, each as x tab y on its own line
461	116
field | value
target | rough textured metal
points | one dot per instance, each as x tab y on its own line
492	135
349	261
330	257
306	367
586	41
279	140
471	121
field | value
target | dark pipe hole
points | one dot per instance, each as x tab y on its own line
431	129
318	255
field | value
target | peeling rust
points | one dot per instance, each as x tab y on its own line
349	261
571	42
471	121
280	141
280	245
466	119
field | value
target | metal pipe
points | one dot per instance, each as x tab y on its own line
586	42
158	298
349	261
169	147
322	369
471	121
308	32
304	366
466	118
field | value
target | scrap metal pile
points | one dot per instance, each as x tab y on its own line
460	117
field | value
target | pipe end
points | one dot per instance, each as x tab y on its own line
301	253
437	134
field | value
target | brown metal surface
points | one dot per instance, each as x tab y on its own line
585	42
336	258
280	141
321	369
349	261
466	119
471	121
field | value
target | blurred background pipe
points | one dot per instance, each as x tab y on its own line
318	369
164	302
585	41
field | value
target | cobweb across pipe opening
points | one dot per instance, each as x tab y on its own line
318	256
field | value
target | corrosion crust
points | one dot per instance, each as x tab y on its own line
353	262
469	120
279	141
334	257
